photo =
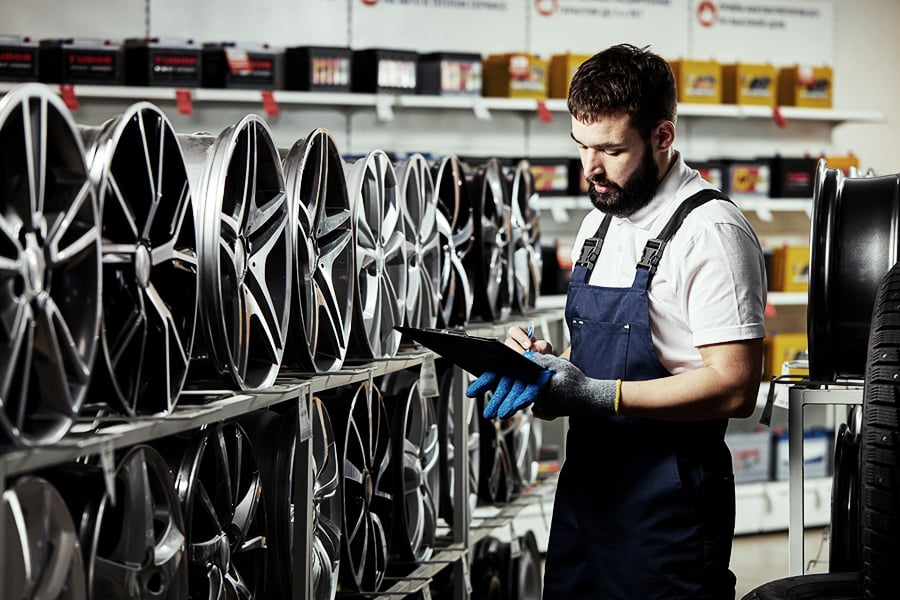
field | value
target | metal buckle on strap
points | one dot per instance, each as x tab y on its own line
590	252
652	255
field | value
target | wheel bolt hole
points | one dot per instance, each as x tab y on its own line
155	584
18	285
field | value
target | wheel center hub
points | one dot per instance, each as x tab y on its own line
370	487
142	265
34	266
240	258
379	258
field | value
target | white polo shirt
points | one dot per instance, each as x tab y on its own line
710	286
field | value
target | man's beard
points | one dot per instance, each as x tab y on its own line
635	194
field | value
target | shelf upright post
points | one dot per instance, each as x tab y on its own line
3	524
461	516
303	509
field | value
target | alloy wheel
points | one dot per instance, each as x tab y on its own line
456	234
526	238
446	427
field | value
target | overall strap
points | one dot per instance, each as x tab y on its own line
590	250
653	250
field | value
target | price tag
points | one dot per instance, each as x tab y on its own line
304	426
428	381
184	102
384	107
108	464
543	112
466	577
270	104
67	91
479	107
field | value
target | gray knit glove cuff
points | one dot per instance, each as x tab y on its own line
570	392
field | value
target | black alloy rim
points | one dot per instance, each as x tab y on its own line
526	238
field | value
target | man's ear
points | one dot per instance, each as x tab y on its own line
664	135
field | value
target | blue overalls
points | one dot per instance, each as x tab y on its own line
644	508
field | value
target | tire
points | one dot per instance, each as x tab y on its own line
879	457
823	586
844	529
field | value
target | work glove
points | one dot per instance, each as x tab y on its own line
569	392
510	394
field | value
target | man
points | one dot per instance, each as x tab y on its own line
665	310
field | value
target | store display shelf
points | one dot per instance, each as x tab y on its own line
479	105
763	506
787	298
419	579
488	519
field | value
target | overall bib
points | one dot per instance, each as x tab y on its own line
644	508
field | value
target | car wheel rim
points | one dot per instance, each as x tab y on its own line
456	233
423	245
521	442
324	256
446	428
49	267
245	250
490	262
43	556
526	239
149	261
326	504
496	476
382	277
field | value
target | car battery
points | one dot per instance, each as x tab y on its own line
378	70
751	455
85	61
790	269
750	84
242	66
782	348
562	68
749	178
163	62
318	68
19	58
516	75
805	86
792	177
446	74
713	171
578	185
698	81
551	175
817	453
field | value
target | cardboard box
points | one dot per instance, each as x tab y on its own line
749	177
317	68
698	81
157	62
516	75
790	269
805	86
751	455
744	83
240	66
19	58
449	74
87	61
781	348
562	67
378	70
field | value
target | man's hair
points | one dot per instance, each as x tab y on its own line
628	80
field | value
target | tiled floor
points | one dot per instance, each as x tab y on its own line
756	559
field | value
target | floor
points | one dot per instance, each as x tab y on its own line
756	559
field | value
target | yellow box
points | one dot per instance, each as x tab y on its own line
562	68
782	348
515	75
790	269
698	81
805	86
844	163
749	84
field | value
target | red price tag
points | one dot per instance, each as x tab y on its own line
67	91
184	102
543	112
778	117
270	104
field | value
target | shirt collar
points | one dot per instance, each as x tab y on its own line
666	194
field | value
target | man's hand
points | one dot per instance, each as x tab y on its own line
519	340
570	392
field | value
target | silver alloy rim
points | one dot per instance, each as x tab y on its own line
327	505
218	484
382	276
496	477
456	234
324	254
149	261
245	250
365	447
423	245
521	441
43	556
526	238
493	231
49	268
446	427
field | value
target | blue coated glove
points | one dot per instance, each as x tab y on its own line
511	394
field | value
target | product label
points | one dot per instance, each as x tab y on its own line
396	74
17	63
89	65
330	72
175	67
460	77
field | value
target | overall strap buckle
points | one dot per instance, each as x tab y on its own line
590	252
653	251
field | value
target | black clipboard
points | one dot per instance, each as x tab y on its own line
475	354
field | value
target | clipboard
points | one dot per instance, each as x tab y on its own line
475	354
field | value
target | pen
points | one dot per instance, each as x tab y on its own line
530	332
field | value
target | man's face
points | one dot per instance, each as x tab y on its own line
618	163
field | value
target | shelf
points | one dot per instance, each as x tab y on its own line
787	298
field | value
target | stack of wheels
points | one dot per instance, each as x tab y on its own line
217	477
843	547
131	529
447	422
496	479
521	441
526	265
245	255
363	440
149	262
324	255
507	570
382	277
418	204
414	463
489	265
42	555
50	270
274	438
457	237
